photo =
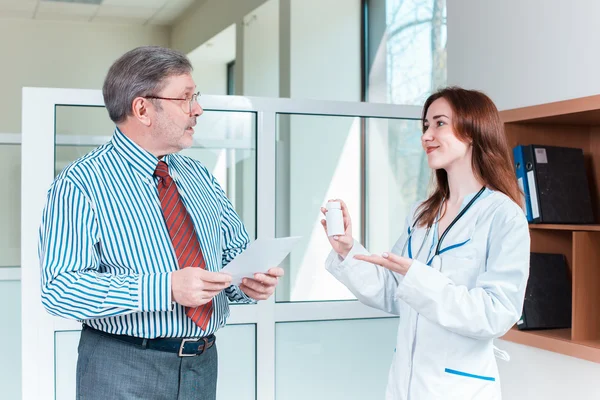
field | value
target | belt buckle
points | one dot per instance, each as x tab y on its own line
184	341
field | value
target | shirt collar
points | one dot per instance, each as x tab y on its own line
140	160
470	196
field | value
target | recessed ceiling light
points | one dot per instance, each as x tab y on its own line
75	1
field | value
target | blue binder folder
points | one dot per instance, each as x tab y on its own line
555	184
518	155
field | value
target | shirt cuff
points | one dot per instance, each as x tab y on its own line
235	294
154	292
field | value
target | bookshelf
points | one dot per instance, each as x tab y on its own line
569	123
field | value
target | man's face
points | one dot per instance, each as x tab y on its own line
173	127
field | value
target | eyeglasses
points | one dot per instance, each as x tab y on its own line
187	106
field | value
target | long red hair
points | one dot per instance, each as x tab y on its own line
476	120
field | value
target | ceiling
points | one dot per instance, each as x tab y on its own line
137	12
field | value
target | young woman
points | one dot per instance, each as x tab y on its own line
457	275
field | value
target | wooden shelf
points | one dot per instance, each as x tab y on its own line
569	123
581	111
561	227
558	341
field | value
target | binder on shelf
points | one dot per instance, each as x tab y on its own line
555	184
532	187
522	180
548	301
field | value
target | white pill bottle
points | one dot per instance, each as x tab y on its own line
335	220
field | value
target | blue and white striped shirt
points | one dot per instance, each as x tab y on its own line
105	251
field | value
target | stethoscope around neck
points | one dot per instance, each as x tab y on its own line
454	221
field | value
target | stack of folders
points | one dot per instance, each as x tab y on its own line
548	301
555	184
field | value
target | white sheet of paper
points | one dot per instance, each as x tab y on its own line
260	256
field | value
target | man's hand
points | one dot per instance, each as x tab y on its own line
263	285
192	287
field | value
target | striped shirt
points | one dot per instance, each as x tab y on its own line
105	252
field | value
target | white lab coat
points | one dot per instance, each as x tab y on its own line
449	318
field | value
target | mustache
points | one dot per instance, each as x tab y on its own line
191	124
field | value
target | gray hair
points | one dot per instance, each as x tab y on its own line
140	72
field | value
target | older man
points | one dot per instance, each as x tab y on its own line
132	240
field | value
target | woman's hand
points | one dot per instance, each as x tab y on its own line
390	261
342	244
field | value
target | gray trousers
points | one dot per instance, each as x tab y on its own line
111	369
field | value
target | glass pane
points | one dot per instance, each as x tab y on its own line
236	346
10	206
407	50
318	158
225	142
335	358
10	336
65	353
83	121
397	177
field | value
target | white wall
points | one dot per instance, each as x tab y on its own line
325	49
210	61
207	19
61	54
534	374
524	53
261	51
210	78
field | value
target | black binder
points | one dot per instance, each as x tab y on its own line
558	186
548	294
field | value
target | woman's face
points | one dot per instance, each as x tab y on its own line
444	149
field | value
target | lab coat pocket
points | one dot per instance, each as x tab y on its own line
469	375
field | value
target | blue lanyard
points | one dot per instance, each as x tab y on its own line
460	214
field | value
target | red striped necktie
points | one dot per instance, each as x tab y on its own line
183	236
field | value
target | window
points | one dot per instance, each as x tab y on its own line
405	50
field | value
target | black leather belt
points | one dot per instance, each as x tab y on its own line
183	347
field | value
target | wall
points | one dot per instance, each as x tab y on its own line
210	78
534	374
60	54
207	19
210	61
525	53
261	51
47	54
325	50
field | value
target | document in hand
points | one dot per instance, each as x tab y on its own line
260	256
